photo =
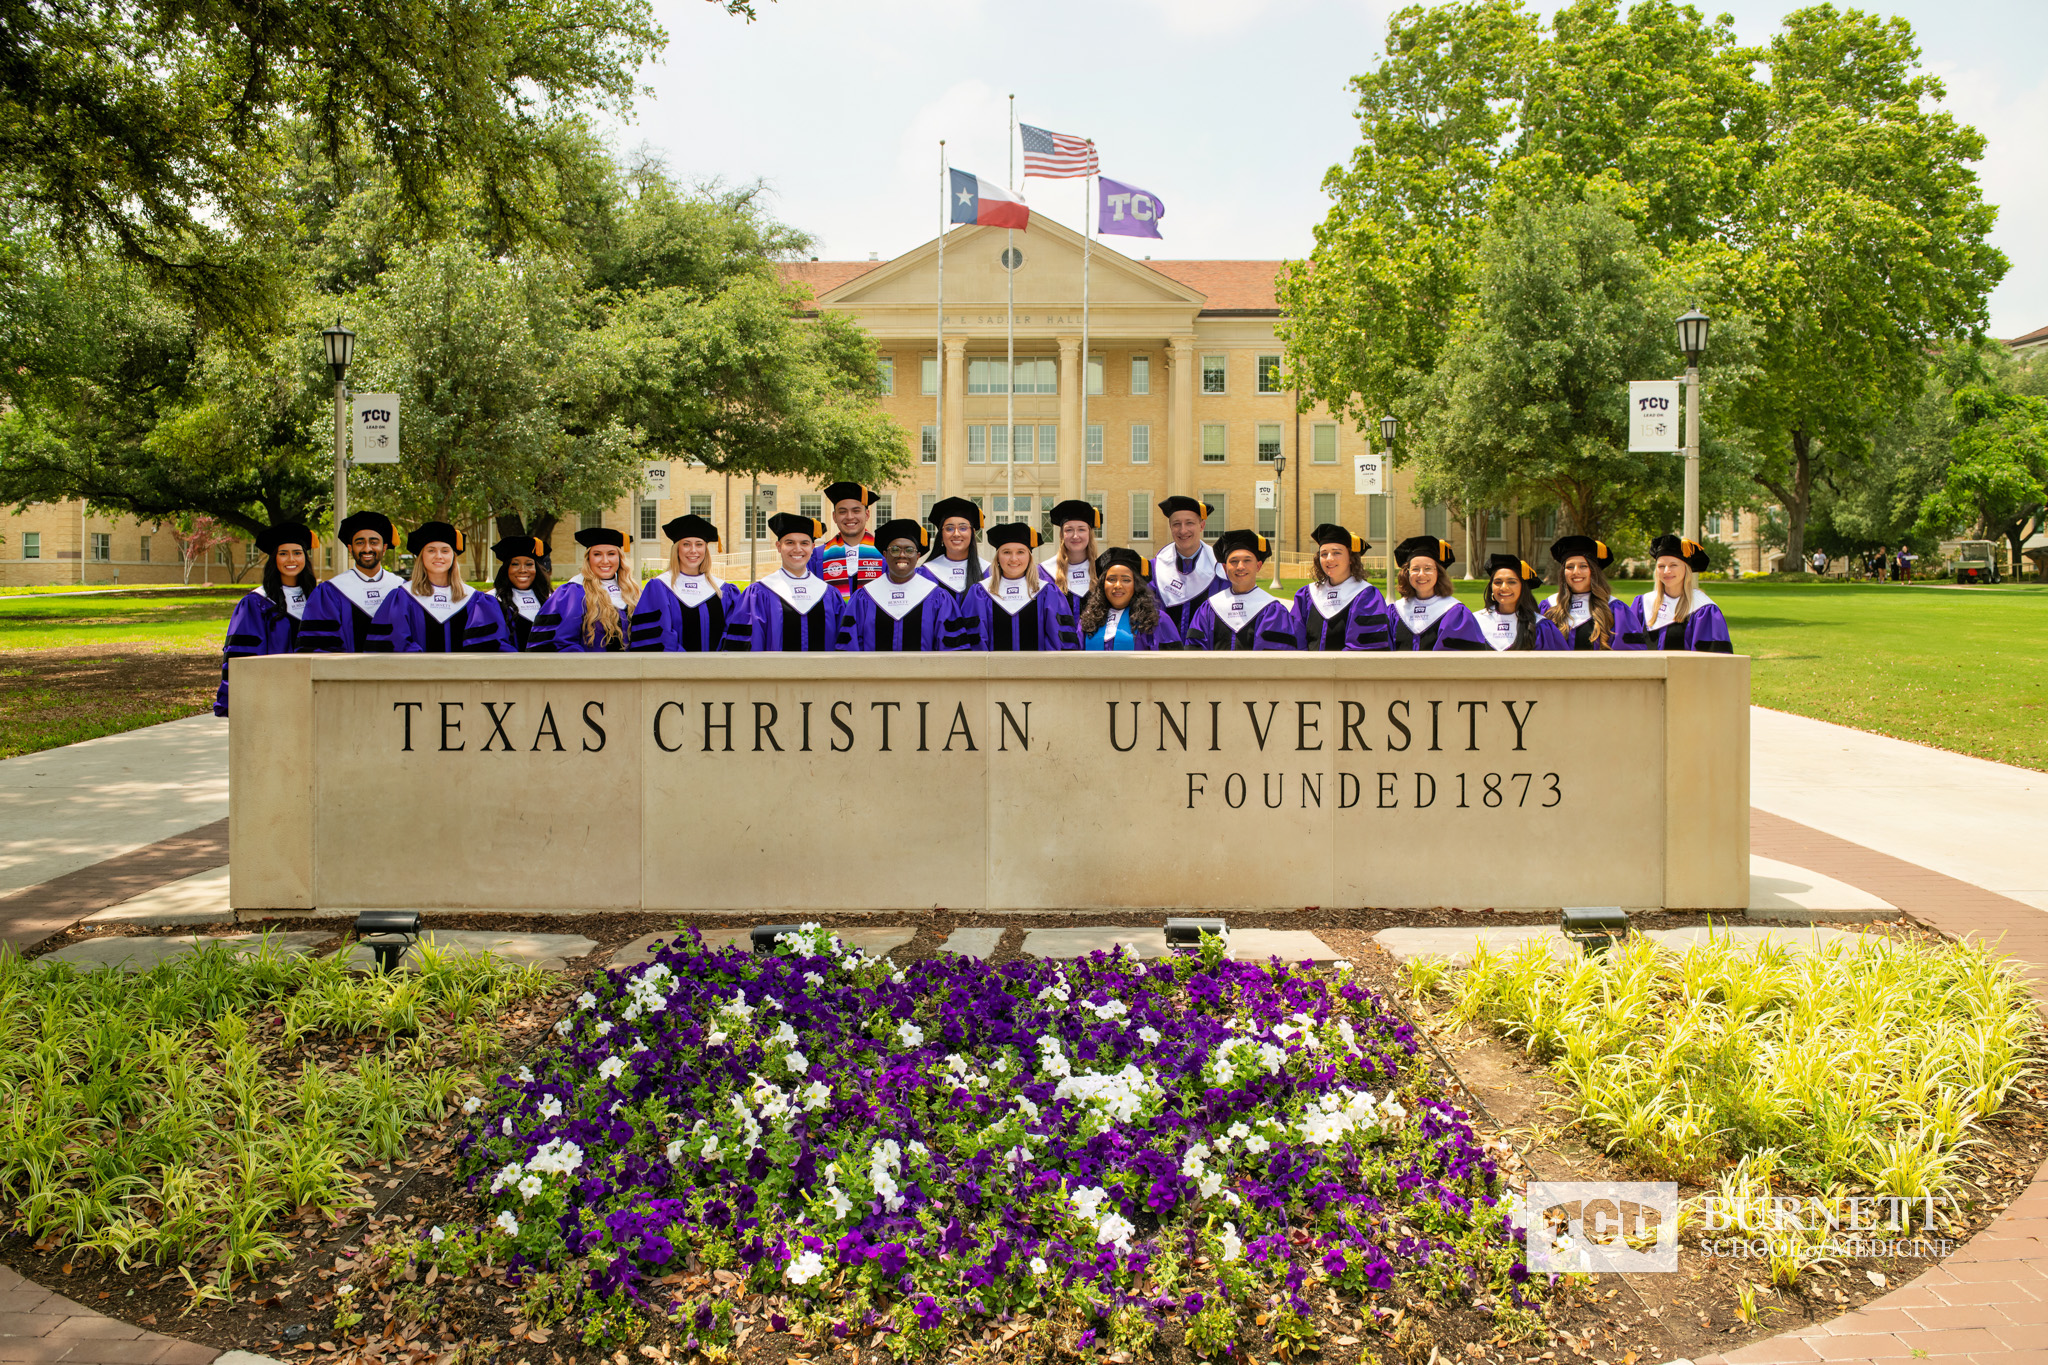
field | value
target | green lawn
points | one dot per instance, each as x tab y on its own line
1963	669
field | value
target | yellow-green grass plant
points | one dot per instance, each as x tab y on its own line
156	1119
1864	1064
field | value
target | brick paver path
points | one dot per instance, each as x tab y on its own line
38	1325
33	913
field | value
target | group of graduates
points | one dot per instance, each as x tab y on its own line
921	586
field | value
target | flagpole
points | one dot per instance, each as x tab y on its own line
1010	379
939	334
1087	236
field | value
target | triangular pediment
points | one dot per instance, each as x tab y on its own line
1051	274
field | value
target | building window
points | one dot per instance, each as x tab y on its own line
1436	520
103	547
925	503
885	510
1546	529
1219	513
999	504
1269	521
1141	374
329	557
1736	528
928	445
1496	525
811	505
928	375
757	519
591	519
1213	443
1100	502
1376	516
1094	376
31	544
1322	509
650	519
1094	446
885	372
1141	443
1212	374
1269	374
1048	445
985	376
700	505
1269	442
977	445
1038	376
998	444
1020	445
223	554
1323	443
1141	516
142	552
1713	526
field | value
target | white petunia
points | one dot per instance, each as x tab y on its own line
438	1235
611	1068
817	1095
1256	1143
797	1062
604	1028
813	980
472	1104
1114	1230
563	1027
529	1187
714	1038
805	1268
1232	1247
1038	1265
508	1222
586	1001
550	1108
1150	1035
841	1205
909	1034
675	1150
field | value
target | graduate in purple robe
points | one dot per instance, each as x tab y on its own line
685	610
1120	612
437	613
1243	615
339	611
1185	572
954	562
1586	609
852	557
1014	610
520	586
1675	614
790	610
1428	616
1340	609
593	614
1509	619
904	611
1072	566
266	621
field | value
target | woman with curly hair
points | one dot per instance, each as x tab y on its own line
594	613
1120	612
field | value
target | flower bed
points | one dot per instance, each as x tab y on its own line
1101	1147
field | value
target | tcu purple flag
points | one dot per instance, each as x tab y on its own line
1127	210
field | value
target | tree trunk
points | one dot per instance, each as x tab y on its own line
1797	499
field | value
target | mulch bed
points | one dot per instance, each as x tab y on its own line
1612	1320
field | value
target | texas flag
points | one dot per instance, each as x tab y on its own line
986	204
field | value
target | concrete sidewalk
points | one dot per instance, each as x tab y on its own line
1967	818
68	808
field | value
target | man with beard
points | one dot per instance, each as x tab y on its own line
338	612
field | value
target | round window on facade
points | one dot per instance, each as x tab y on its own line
1012	258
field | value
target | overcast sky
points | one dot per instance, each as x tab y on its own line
1229	110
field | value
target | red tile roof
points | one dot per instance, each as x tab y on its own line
1229	286
2038	335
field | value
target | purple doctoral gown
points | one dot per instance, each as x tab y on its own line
768	619
258	626
897	618
1044	625
1626	625
662	621
559	627
1257	620
1362	623
1703	629
337	623
1180	594
1453	628
403	625
1542	635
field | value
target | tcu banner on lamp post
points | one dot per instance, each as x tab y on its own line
1653	415
376	428
1126	210
1366	475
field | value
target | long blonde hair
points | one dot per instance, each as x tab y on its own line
995	573
422	586
598	612
675	561
1687	587
1060	562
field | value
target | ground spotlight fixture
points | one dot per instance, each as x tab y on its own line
763	935
388	933
1185	934
1594	927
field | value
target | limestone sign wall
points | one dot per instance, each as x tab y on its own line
1168	781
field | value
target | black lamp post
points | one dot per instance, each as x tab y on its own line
1692	339
340	343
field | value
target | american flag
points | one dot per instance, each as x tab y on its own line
1056	156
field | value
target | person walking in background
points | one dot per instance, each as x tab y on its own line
1820	563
